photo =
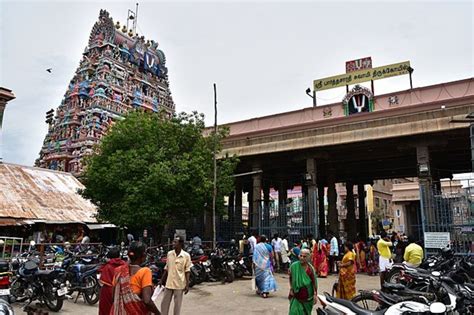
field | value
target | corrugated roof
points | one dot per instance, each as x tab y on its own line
39	194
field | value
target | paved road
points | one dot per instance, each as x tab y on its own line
229	299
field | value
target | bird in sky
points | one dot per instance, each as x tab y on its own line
49	70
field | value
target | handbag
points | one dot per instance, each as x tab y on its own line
157	293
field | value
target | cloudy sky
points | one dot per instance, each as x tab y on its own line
262	54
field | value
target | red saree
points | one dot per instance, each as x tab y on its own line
320	260
361	259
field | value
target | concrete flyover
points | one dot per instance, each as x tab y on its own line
406	132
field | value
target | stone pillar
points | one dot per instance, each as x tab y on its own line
351	223
312	196
362	211
230	214
238	207
266	209
282	207
322	215
250	210
333	217
426	188
256	200
6	95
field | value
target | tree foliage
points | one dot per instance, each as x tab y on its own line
149	171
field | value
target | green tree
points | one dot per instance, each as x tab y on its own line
149	171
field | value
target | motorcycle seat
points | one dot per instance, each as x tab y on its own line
352	306
85	268
393	286
44	272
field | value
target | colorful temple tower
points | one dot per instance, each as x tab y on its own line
119	72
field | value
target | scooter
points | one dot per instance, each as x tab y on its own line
335	306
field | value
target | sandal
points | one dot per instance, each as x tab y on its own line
264	295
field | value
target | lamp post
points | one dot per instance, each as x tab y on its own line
312	95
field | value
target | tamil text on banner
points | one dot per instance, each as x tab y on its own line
362	76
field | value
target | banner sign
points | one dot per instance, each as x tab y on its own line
362	76
437	239
359	64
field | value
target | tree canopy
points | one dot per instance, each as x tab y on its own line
148	171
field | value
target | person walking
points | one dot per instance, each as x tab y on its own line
320	259
133	284
262	259
385	255
252	242
176	277
346	288
106	279
277	245
285	253
333	252
360	249
413	253
373	258
303	285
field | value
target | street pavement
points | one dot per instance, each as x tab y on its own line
232	298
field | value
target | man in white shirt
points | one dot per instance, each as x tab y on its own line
285	252
276	244
252	242
333	252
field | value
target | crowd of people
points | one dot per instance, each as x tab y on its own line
127	287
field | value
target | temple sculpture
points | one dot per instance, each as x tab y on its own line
119	71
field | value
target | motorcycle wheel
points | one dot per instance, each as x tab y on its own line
229	274
18	289
200	276
91	295
238	273
393	276
192	280
367	301
52	301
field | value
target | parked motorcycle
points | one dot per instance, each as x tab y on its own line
46	286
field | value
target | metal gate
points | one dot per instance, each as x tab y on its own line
451	211
293	218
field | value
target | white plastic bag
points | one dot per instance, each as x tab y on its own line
157	293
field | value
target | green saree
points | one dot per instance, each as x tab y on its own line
303	300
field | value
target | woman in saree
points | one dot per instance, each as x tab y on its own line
372	260
361	259
262	259
347	277
303	285
133	286
320	258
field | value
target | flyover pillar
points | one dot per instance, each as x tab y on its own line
351	223
256	201
362	212
322	214
426	188
312	195
238	208
332	204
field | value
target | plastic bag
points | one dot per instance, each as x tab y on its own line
157	293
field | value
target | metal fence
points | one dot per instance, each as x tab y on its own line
449	211
294	219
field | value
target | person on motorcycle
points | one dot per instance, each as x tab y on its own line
413	253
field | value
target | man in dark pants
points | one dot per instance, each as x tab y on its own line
333	252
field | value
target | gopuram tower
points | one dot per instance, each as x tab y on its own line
119	72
